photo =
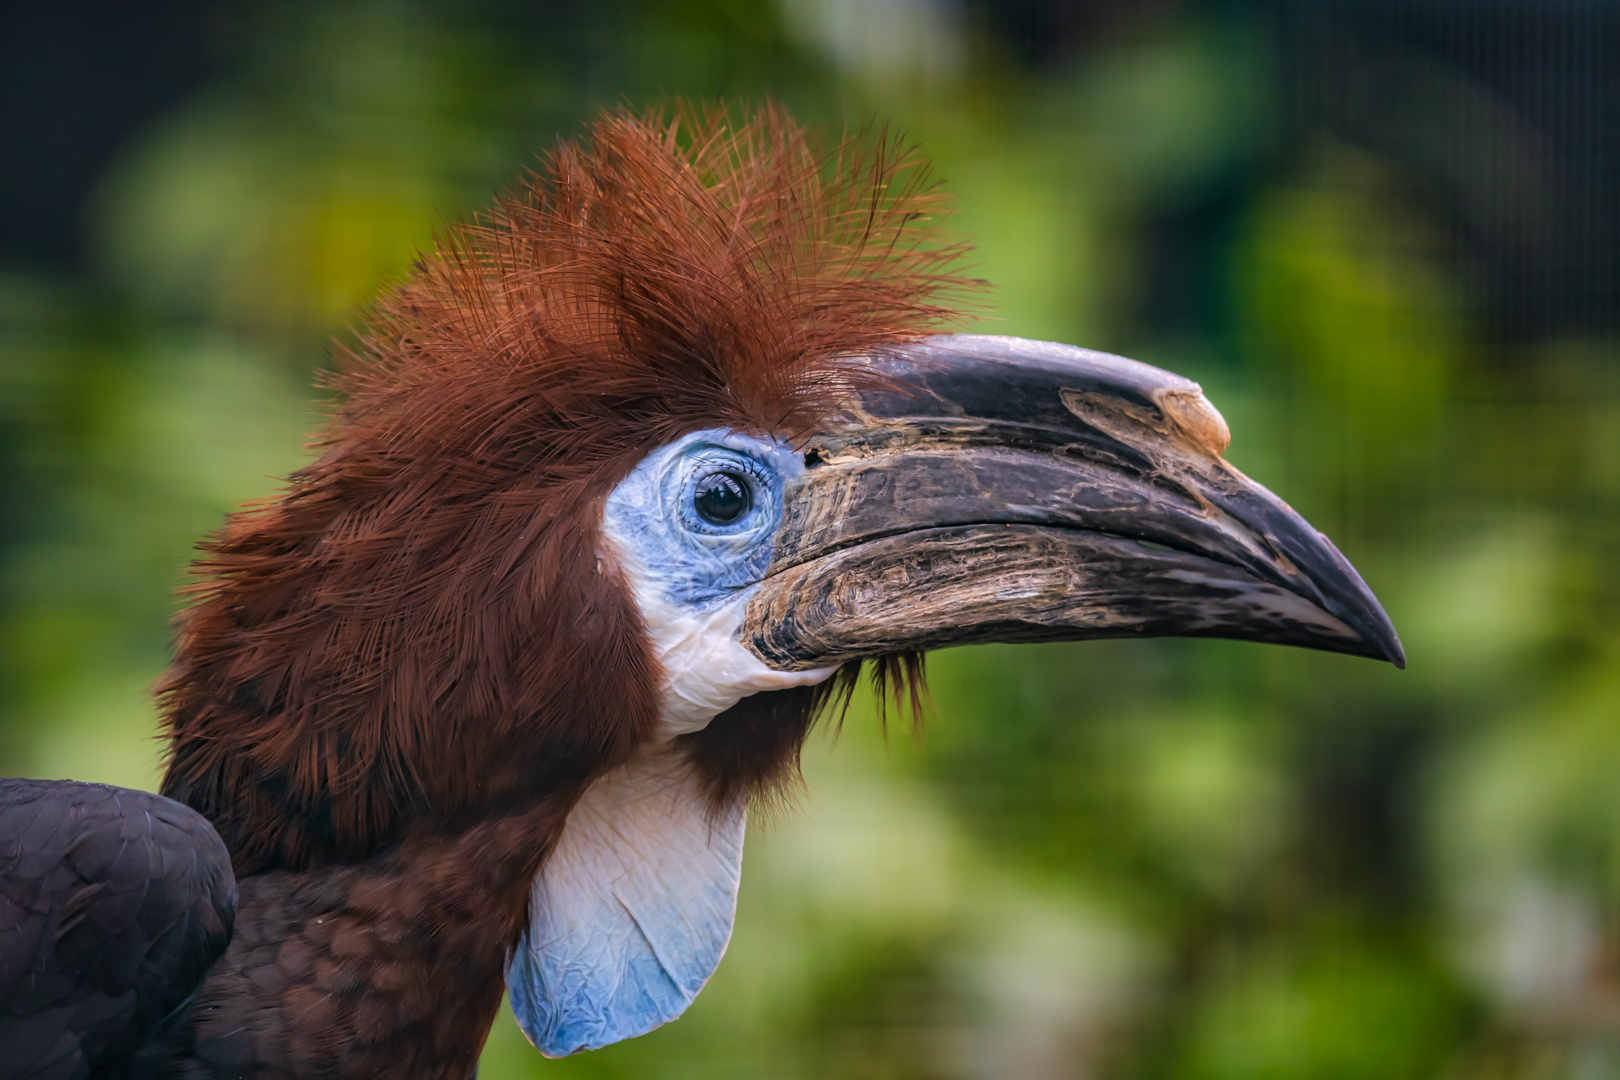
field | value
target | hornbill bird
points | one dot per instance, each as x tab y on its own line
621	488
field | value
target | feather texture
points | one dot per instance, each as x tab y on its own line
113	905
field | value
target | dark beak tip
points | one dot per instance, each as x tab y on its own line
1352	601
1381	634
1380	638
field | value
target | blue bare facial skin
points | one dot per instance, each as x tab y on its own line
607	958
701	513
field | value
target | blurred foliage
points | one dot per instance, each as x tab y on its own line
1174	859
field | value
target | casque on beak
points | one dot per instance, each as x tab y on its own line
999	489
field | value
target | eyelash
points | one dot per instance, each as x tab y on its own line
738	465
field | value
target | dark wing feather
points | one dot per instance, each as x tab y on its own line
113	906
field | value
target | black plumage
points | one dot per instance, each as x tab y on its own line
113	905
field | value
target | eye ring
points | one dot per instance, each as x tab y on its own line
723	497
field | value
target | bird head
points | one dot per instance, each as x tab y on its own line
627	480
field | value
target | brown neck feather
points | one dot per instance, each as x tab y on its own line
387	967
313	721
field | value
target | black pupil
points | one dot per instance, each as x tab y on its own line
722	498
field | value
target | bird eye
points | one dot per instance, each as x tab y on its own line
723	497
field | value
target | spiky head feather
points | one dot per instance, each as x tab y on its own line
418	626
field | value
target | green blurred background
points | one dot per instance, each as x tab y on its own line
1385	236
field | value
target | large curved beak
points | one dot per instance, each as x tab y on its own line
998	489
